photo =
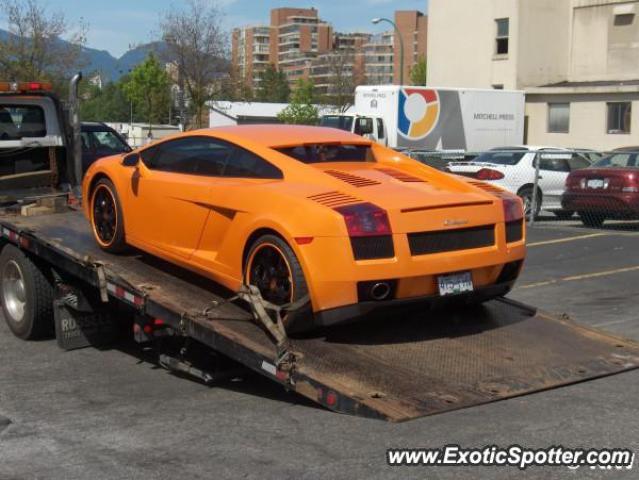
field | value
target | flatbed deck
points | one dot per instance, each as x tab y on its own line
391	368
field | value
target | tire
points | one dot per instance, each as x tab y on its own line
257	254
107	220
24	282
526	195
593	220
563	214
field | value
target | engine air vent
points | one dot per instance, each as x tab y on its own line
334	199
351	179
401	176
487	187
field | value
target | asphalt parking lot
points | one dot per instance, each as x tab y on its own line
109	414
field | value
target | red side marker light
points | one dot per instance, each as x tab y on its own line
303	240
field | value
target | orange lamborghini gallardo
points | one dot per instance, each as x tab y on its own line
306	210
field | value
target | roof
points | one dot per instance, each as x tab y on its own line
283	135
595	83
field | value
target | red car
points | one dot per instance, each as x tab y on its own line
607	190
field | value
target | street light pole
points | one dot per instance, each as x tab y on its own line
375	21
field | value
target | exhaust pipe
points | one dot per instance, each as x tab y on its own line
380	291
74	121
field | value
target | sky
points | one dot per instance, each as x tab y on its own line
116	24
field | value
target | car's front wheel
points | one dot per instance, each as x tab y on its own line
107	221
272	266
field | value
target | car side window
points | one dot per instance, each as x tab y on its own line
577	161
380	128
245	164
553	164
191	155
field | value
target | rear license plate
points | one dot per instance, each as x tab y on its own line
455	283
595	183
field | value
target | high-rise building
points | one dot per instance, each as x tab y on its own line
302	45
379	59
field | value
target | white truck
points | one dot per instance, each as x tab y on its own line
434	118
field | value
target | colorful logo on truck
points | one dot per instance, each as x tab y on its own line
418	112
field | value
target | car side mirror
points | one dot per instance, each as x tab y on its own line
131	160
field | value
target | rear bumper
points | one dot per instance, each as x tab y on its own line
349	313
611	204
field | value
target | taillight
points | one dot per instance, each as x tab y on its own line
365	220
489	174
631	184
513	208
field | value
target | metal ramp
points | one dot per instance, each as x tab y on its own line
395	368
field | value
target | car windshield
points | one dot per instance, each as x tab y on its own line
21	121
328	153
337	121
500	157
103	143
618	160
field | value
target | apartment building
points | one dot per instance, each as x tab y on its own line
302	45
413	29
379	53
577	61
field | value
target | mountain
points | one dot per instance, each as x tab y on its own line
111	68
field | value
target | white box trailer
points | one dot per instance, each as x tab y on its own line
435	118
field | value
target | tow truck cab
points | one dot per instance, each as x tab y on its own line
38	154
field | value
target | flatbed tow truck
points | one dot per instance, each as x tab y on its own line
394	368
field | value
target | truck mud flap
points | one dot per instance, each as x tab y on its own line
440	361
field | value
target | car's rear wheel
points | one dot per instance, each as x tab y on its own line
106	217
526	195
272	266
594	220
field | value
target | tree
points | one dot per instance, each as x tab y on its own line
197	43
301	110
342	79
147	87
109	104
33	49
418	72
273	86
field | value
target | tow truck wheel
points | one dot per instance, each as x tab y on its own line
271	265
106	217
26	295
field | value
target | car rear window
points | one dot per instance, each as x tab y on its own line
329	153
500	158
618	160
21	121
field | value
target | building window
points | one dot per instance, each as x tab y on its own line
558	117
623	19
501	42
619	117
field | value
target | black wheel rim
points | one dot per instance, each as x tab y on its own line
104	215
271	274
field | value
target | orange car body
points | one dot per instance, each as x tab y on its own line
205	224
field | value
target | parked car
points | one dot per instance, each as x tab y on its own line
438	159
298	210
592	155
99	140
607	190
513	168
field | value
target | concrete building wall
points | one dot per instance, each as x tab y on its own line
603	47
588	120
461	43
543	55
